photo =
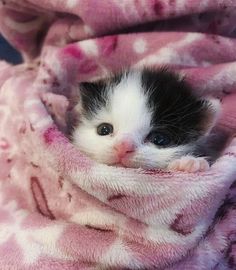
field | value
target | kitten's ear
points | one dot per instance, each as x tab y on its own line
213	111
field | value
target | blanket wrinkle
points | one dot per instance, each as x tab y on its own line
61	210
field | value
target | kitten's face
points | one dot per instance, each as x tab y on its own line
141	119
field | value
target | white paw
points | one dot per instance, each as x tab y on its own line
189	164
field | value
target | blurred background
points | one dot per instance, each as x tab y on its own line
8	53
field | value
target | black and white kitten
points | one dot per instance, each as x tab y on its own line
144	119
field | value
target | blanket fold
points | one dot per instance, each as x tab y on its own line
61	210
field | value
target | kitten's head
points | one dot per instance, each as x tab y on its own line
141	119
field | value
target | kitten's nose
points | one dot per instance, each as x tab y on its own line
124	147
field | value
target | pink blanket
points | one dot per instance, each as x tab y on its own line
61	210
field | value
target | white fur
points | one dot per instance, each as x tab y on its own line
129	114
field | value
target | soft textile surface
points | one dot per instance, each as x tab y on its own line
61	210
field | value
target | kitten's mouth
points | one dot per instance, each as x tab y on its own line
119	165
123	162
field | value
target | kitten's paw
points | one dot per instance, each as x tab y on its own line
189	164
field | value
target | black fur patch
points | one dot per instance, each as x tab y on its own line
95	94
93	97
175	108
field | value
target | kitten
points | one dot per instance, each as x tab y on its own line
144	119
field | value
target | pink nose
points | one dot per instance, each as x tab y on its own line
124	147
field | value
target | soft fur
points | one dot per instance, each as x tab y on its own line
135	103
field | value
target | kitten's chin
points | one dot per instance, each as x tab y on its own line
122	163
109	162
129	163
125	162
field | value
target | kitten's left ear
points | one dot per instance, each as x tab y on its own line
213	111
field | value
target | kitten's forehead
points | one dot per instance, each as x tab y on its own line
128	105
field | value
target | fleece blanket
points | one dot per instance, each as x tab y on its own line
61	210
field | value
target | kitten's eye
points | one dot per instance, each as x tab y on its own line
159	138
104	129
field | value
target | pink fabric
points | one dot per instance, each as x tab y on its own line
61	210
